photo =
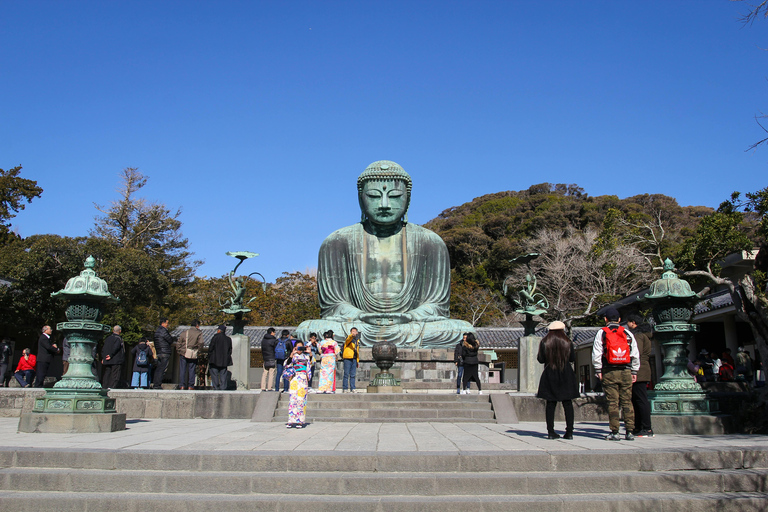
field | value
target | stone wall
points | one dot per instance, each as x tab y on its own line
15	400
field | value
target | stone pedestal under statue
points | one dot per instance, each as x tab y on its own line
529	369
241	360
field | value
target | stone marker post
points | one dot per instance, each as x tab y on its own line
529	370
241	360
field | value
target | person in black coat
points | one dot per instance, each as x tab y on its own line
163	343
113	357
6	357
469	350
459	362
219	357
46	349
268	344
558	382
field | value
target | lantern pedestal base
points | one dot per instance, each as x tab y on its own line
665	403
62	423
700	425
73	411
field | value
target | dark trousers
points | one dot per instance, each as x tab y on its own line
162	366
110	375
279	376
25	377
187	369
219	378
350	374
550	415
470	373
641	405
42	371
459	377
3	371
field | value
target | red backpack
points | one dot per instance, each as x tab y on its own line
616	349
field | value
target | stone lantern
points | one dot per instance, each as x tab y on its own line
676	393
77	403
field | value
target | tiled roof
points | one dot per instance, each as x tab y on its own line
254	333
489	337
507	337
713	301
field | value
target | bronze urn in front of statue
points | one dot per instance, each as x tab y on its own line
385	355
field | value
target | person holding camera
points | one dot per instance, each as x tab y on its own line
297	403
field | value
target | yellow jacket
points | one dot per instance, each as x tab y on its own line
351	349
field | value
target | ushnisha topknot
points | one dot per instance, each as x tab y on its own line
384	170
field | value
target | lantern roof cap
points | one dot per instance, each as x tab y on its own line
87	284
670	285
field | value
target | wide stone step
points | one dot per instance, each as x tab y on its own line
320	462
35	501
387	414
392	407
373	484
394	397
339	419
365	404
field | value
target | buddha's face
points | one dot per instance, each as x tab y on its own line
384	201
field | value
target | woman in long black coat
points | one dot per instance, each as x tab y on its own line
558	382
469	350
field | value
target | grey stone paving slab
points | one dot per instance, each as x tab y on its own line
361	437
241	434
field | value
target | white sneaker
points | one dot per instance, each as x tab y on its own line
479	392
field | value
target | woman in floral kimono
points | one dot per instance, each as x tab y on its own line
298	390
328	348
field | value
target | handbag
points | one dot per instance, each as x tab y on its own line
289	372
190	353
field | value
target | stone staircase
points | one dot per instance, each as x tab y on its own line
392	408
168	481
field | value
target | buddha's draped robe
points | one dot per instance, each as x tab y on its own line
408	272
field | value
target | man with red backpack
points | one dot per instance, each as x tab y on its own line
616	361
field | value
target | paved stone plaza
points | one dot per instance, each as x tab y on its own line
182	465
239	435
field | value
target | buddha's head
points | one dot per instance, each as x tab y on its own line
384	192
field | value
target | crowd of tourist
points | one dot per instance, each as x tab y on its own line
290	365
147	361
620	356
708	367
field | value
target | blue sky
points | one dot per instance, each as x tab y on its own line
256	117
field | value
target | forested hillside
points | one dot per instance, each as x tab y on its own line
594	249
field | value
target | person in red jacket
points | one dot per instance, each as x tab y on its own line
25	371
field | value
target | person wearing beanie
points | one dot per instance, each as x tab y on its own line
616	361
219	357
558	382
642	333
